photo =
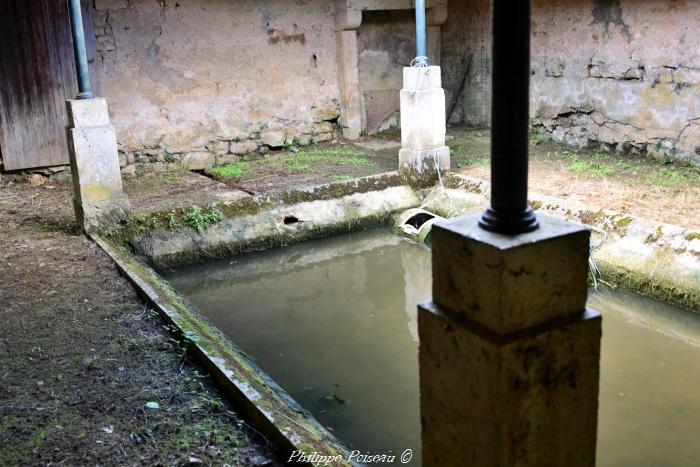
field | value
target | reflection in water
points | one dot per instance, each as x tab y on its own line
325	320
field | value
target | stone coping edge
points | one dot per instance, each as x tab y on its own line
659	260
274	226
262	402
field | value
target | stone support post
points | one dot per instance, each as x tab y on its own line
423	122
92	147
351	106
509	356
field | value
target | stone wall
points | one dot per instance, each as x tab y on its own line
386	41
617	74
466	62
198	82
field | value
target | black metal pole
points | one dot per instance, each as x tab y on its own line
81	62
510	96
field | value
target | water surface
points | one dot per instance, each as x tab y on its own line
333	321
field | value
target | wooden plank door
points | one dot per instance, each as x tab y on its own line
37	75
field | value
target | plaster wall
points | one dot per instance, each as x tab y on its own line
198	79
386	43
617	74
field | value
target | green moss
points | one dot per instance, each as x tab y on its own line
339	189
591	217
620	224
419	180
654	237
693	236
658	286
535	204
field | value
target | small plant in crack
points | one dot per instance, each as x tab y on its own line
199	219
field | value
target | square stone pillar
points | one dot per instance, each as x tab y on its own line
423	122
351	104
92	144
509	355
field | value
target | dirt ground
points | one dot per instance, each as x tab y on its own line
83	362
654	189
298	167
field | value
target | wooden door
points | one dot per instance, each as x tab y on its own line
37	75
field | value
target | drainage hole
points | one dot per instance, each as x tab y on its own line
290	220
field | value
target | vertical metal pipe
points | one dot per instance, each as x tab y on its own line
510	96
81	62
421	47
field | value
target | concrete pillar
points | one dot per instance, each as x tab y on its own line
92	147
423	122
351	105
509	356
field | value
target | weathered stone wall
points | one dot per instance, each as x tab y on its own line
386	43
466	62
620	74
203	81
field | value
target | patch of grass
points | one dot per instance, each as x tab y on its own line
199	219
540	137
663	173
340	177
672	175
304	161
459	158
594	165
234	170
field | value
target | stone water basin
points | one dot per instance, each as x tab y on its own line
333	321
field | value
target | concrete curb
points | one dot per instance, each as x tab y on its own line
276	226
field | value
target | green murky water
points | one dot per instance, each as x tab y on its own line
334	323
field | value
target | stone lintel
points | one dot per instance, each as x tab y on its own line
509	283
379	5
527	399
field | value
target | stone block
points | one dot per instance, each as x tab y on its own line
422	119
273	139
325	111
323	127
508	283
218	147
321	137
529	400
129	171
198	160
92	145
226	159
422	79
424	160
423	125
87	112
244	147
